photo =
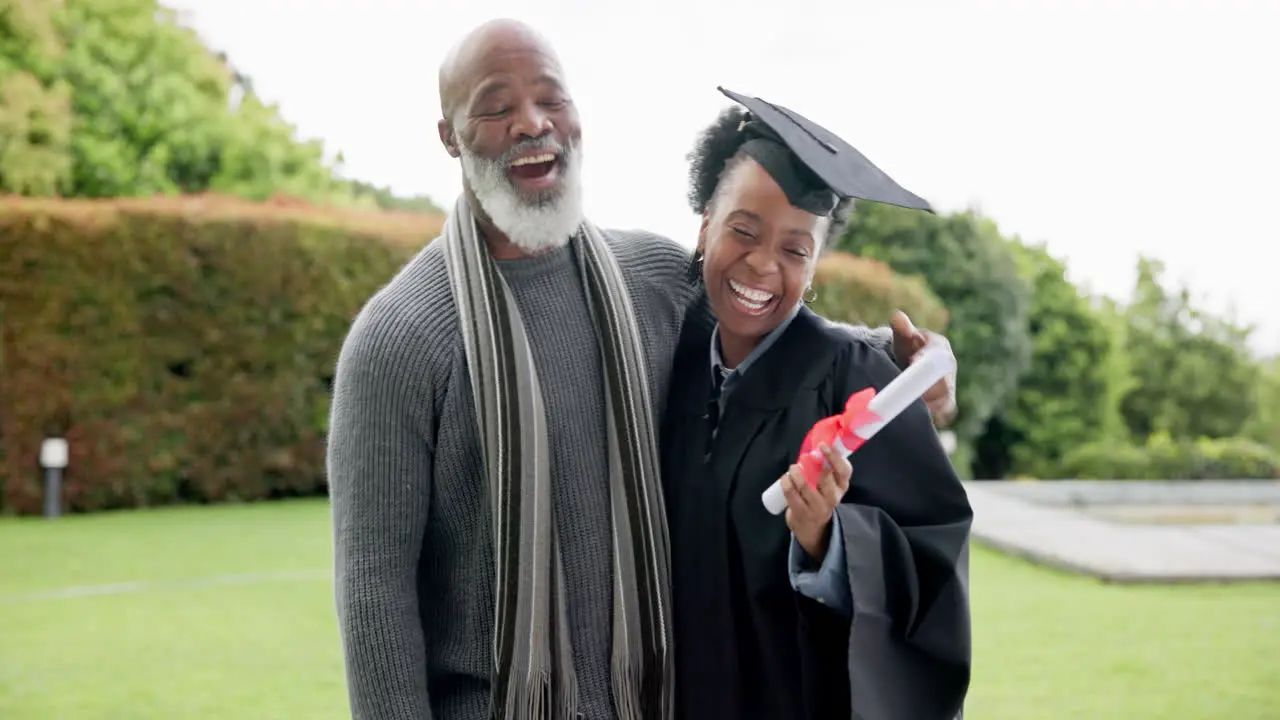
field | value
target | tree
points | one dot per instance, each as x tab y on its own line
147	98
1118	366
970	268
860	291
1193	374
260	157
1264	425
35	104
1066	398
106	98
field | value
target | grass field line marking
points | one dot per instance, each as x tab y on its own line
141	586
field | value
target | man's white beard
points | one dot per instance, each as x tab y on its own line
532	224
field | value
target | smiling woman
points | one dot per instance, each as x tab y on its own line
758	256
755	370
767	215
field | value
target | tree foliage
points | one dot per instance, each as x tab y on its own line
1065	398
1156	387
1193	375
1264	425
1051	379
35	103
860	291
111	98
1162	457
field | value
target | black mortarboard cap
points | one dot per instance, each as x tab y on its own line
813	166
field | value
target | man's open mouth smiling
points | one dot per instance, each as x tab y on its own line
536	171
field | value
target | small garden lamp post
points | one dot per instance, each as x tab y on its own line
53	458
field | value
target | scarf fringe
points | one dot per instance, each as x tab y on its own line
541	696
642	689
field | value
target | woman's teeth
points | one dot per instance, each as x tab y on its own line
752	300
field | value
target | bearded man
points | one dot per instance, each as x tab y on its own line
500	539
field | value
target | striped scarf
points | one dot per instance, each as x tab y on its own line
533	676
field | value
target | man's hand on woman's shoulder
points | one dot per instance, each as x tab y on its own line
908	341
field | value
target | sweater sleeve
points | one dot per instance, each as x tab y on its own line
379	468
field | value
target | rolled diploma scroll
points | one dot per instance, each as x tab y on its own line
933	364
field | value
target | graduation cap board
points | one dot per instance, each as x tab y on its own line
813	166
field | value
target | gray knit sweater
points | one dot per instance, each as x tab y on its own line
413	550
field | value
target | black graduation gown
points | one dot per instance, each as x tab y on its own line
746	644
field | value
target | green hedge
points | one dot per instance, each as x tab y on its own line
184	347
863	291
1164	459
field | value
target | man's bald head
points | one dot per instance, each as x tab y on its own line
495	37
507	115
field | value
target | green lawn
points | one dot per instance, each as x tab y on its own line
1046	645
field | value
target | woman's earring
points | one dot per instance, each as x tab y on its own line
695	267
810	294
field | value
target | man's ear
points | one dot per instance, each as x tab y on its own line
448	138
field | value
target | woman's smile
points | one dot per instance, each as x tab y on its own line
751	300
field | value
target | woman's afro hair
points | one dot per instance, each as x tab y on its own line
716	151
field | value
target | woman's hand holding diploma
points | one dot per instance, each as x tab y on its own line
809	509
865	413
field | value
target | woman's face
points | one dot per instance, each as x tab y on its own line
758	250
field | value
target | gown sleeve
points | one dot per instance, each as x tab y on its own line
829	583
905	527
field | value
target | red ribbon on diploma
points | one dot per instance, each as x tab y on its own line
842	426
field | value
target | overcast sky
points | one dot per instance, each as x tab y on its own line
1106	129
